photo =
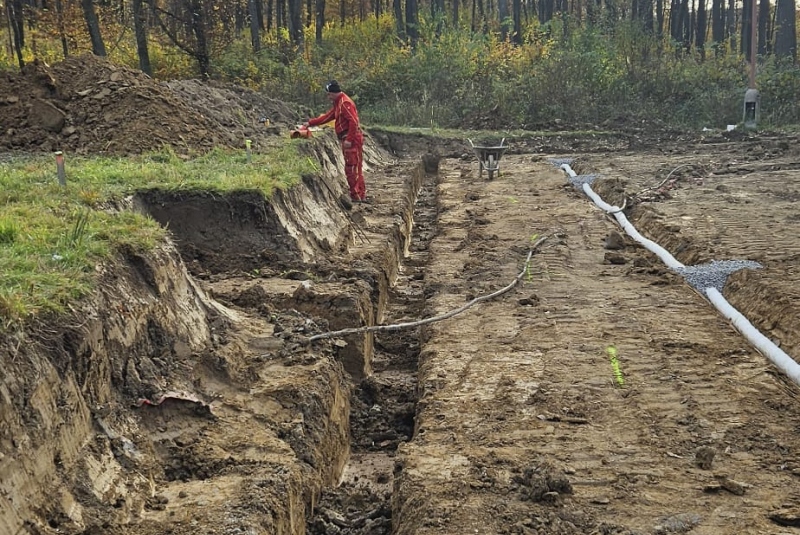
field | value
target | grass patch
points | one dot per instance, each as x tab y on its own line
52	238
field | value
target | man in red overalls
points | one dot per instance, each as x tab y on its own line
348	130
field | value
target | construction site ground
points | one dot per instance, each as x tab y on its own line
598	394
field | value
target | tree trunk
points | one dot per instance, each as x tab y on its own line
320	20
700	29
15	20
473	26
593	10
199	30
786	31
730	22
255	30
717	23
295	21
437	14
504	16
280	14
675	20
763	27
516	15
397	5
140	30
747	31
62	34
412	21
93	25
455	13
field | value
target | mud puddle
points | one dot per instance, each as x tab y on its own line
383	406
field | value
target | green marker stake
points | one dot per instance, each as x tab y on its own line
612	355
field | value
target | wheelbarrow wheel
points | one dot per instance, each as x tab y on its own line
492	167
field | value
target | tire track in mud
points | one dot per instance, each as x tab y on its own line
520	394
383	407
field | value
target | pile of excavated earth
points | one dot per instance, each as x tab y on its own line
464	354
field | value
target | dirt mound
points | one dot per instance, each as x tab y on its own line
87	105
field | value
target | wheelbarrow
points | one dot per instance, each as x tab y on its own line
489	157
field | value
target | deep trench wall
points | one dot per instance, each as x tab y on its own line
247	230
59	378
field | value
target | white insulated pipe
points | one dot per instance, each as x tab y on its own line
767	347
764	345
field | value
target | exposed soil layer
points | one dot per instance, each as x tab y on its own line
185	396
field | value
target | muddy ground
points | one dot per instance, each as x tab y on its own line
188	395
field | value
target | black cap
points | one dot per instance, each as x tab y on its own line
333	87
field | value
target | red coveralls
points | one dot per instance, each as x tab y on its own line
348	128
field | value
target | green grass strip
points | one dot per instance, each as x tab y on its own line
53	238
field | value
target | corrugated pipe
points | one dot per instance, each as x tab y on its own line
764	345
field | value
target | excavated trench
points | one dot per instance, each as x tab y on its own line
385	285
383	406
186	397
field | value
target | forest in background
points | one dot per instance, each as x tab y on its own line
490	64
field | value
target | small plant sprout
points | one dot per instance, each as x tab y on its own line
612	355
528	273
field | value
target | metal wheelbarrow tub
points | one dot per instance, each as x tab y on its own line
489	157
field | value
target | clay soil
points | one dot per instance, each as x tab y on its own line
186	397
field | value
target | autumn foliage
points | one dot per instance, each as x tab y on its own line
441	67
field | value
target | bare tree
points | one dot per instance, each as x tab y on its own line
186	26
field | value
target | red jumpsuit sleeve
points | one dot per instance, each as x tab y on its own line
349	112
324	118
